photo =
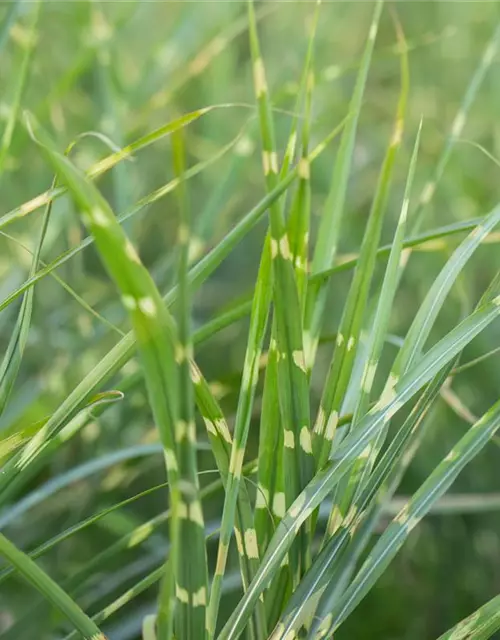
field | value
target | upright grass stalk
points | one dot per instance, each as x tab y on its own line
292	376
329	230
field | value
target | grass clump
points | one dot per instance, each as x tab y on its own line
308	443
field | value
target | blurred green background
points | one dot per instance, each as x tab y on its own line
125	68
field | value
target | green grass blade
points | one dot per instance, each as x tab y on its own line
428	239
397	532
258	324
32	573
329	231
192	571
348	336
377	337
292	376
157	343
480	625
424	320
458	125
107	163
17	343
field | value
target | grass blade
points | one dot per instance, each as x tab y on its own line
348	336
258	324
32	573
480	625
397	532
329	231
158	347
292	376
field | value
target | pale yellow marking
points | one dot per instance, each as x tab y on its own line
331	425
273	164
183	234
239	541
340	339
251	543
200	597
458	124
181	594
140	534
147	306
129	302
171	460
131	252
284	247
274	248
223	429
319	427
299	359
195	374
304	169
262	498
185	430
289	439
428	192
99	217
305	440
244	147
196	514
297	506
350	343
210	426
239	455
221	559
266	162
259	77
279	504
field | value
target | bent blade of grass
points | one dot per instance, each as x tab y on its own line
293	385
121	353
325	480
212	258
342	363
257	330
157	344
397	532
480	625
329	230
107	163
143	203
32	573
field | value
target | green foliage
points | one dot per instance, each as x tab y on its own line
282	378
